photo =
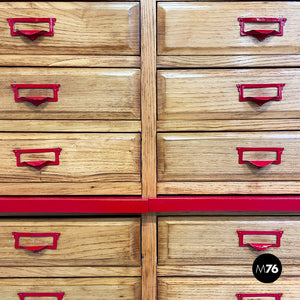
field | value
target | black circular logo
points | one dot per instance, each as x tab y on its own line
267	268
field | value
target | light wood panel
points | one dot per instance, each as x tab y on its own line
214	157
104	61
212	28
223	288
80	28
86	94
70	126
84	271
83	158
214	240
229	61
228	125
77	289
90	242
213	94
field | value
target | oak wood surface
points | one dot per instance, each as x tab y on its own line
213	94
88	157
227	61
212	28
80	28
214	240
125	288
223	288
82	242
214	157
83	94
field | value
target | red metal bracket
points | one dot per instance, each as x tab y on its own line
259	246
259	164
31	34
262	34
36	100
35	249
260	100
37	164
242	296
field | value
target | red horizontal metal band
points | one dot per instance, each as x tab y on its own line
73	205
224	203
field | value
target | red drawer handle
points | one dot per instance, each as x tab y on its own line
36	100
259	246
37	164
35	249
260	100
259	164
262	34
242	296
31	34
59	296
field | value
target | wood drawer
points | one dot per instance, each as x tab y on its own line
213	28
214	156
78	289
80	28
214	94
215	240
85	161
225	288
88	242
84	93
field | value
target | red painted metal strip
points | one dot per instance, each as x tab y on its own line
224	203
73	205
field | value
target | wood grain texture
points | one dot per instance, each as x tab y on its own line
84	271
228	125
84	157
80	28
90	242
125	288
212	28
148	97
70	189
214	240
232	187
229	61
213	94
52	60
222	288
216	270
109	94
69	126
214	157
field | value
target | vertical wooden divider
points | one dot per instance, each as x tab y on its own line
148	109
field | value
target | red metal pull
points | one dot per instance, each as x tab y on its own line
59	296
260	100
37	164
262	34
36	100
259	246
35	249
242	296
259	164
31	34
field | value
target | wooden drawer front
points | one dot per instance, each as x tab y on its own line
88	242
214	156
80	28
215	241
213	94
76	289
84	159
213	28
82	94
225	288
